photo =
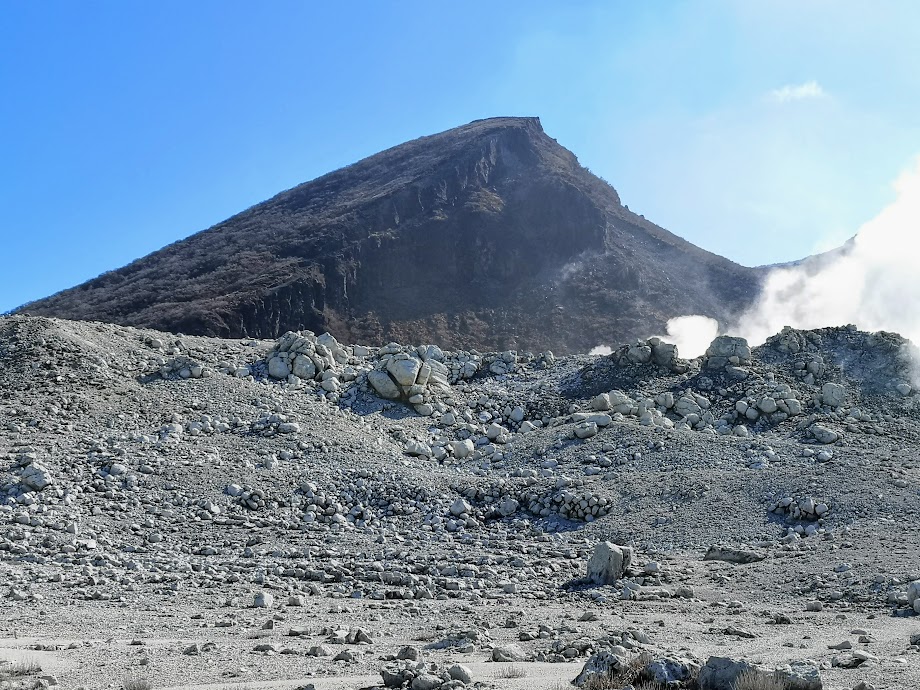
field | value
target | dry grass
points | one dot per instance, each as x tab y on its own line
137	684
18	669
754	680
512	671
631	674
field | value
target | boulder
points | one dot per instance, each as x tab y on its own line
823	435
833	394
600	665
608	563
726	350
800	675
722	672
381	382
670	670
405	371
508	652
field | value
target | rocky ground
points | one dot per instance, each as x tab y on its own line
187	512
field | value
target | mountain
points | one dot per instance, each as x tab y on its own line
488	236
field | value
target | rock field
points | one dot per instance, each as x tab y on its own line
191	512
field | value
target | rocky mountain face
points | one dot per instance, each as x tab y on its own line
488	236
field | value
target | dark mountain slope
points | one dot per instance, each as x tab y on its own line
490	236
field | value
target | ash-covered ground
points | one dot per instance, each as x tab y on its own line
191	512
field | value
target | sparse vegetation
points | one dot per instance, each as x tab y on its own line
512	671
18	669
633	673
755	680
137	684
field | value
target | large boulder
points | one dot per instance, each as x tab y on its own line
508	652
608	563
381	382
913	595
722	672
725	351
800	675
833	394
404	370
601	665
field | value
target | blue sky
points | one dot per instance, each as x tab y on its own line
759	130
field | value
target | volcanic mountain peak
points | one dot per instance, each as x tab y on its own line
490	236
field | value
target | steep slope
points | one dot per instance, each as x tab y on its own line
488	236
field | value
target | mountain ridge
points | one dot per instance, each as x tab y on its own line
490	235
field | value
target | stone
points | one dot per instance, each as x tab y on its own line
608	563
461	673
823	435
600	666
381	382
460	507
36	477
263	600
726	350
303	367
833	394
404	371
585	430
670	670
800	675
462	449
409	653
426	681
508	653
721	673
732	555
278	368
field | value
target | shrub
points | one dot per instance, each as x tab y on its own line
755	680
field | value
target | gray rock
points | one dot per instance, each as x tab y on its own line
800	675
823	435
721	673
608	563
426	681
600	665
405	371
508	652
263	600
732	555
833	394
461	673
381	382
670	670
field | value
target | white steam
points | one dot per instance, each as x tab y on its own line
691	334
602	350
874	284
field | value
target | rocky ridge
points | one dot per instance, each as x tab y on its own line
490	236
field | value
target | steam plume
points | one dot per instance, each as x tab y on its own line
874	283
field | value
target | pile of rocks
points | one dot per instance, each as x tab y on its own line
421	675
807	508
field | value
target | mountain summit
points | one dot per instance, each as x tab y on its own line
488	236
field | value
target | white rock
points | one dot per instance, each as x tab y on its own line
381	382
608	563
278	368
404	371
263	600
833	394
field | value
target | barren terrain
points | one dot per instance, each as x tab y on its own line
195	512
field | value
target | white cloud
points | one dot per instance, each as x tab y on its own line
797	92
